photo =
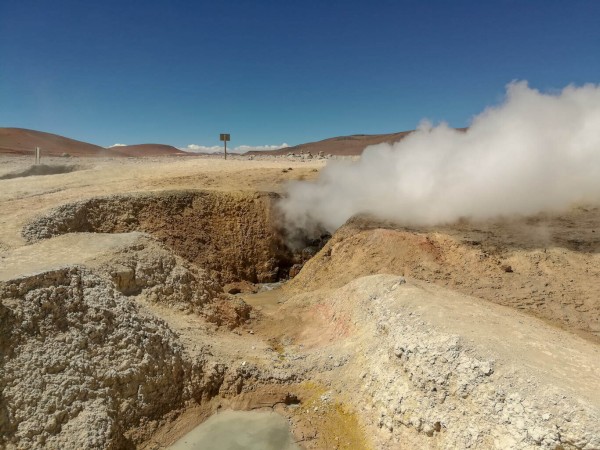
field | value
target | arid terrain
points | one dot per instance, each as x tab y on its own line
138	296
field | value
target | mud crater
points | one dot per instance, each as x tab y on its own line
235	235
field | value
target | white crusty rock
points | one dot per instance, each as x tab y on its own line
434	369
81	363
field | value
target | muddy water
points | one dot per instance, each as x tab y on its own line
239	430
268	297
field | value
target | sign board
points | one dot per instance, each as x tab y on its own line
225	138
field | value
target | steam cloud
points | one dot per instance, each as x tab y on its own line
534	152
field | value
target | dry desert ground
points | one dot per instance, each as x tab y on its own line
140	295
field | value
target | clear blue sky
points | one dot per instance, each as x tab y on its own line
180	72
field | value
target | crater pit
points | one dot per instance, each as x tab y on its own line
235	235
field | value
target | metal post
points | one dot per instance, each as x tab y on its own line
225	137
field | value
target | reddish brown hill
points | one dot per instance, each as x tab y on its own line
19	141
148	150
343	145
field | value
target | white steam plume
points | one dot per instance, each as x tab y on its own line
532	153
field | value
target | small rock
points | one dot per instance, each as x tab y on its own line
486	368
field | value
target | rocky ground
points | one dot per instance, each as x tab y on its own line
134	305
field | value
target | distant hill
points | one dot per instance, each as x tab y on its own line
20	141
148	150
343	145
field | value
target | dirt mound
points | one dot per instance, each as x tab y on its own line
549	276
41	169
232	234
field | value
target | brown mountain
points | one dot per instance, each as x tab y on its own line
19	141
343	145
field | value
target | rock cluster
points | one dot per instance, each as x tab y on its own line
148	267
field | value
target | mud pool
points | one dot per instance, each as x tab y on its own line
239	430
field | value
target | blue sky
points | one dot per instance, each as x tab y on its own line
268	72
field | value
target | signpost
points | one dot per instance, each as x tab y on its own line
225	138
38	155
